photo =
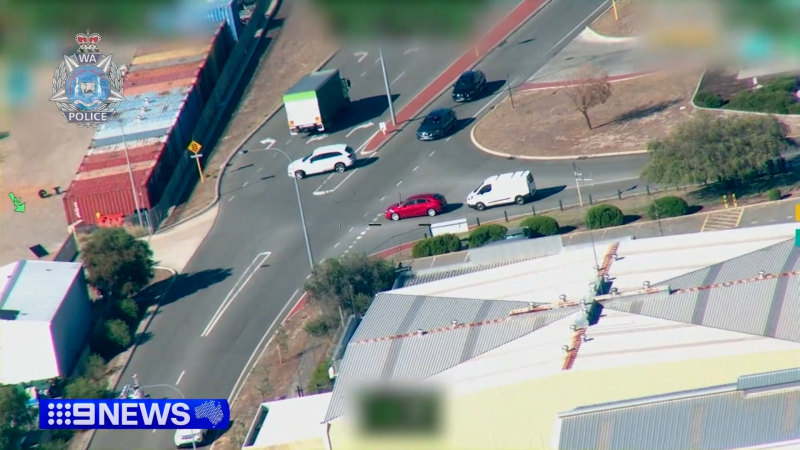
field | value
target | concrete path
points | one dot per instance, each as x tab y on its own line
174	248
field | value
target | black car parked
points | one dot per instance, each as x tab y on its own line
437	124
470	85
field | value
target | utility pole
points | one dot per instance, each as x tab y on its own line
578	176
386	84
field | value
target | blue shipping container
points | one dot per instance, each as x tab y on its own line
225	11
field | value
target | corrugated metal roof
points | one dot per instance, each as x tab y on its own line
731	419
428	276
176	43
129	143
159	115
131	136
161	86
420	357
155	101
163	74
36	288
116	181
767	307
169	62
99	161
759	380
192	51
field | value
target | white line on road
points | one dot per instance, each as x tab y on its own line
350	246
308	276
398	183
365	215
267	335
377	61
360	127
350	230
321	185
346	252
448	139
431	153
363	73
269	142
359	237
413	170
363	232
336	244
260	169
487	104
410	50
338	185
231	198
376	218
361	147
316	138
381	199
179	377
288	142
245	184
579	26
398	77
360	55
237	287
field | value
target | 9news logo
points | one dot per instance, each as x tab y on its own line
116	414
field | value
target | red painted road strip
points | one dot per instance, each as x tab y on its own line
495	36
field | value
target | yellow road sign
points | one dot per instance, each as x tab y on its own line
194	146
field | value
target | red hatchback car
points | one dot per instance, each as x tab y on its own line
417	205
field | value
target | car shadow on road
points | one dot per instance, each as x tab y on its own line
188	284
461	124
451	207
364	162
492	88
361	111
547	192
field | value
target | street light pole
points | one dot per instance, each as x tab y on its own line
577	182
300	207
386	85
130	174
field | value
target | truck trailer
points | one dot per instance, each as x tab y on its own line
313	102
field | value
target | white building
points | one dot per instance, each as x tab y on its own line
45	319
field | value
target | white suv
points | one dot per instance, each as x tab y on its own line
338	157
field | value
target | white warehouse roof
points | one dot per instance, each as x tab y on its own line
34	290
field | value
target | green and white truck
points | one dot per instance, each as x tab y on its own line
314	101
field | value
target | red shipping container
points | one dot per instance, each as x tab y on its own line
108	193
162	86
164	74
117	158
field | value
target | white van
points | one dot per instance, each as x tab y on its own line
513	187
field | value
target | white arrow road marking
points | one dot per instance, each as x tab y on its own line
360	55
337	186
237	287
269	142
410	50
360	127
316	138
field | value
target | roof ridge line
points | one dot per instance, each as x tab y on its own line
733	283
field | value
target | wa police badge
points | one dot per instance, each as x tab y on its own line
87	86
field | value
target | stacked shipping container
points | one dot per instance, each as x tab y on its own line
166	89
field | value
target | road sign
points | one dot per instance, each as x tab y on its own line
382	126
194	146
196	155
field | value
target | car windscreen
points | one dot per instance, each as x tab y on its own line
431	120
465	81
307	158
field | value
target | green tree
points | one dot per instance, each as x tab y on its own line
117	263
95	367
604	216
83	387
708	148
15	417
437	245
485	234
342	279
541	225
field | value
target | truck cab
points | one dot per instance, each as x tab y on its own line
513	187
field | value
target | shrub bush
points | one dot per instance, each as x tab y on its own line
541	225
128	311
320	381
485	234
774	194
320	327
604	216
110	337
776	97
82	387
708	100
670	206
438	245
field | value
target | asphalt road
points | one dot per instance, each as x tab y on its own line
253	262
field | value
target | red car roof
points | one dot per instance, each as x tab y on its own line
428	196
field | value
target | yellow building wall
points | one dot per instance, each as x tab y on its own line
522	416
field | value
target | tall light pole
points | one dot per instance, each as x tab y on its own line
300	207
168	386
386	85
134	191
578	176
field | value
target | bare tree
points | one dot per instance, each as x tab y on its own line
283	342
587	89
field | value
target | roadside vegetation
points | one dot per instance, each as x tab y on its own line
779	96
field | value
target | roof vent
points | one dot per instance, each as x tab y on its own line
646	284
596	268
143	109
530	305
614	291
615	256
761	274
140	117
562	297
584	338
606	277
147	101
573	327
565	348
454	323
420	332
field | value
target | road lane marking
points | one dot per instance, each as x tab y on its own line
269	142
350	230
360	56
488	103
377	61
413	170
260	169
179	377
363	232
448	139
336	244
381	199
359	237
398	77
410	50
245	184
337	186
288	142
360	127
363	146
398	183
258	260
231	198
350	246
363	73
431	153
580	25
267	335
316	138
346	252
321	185
376	217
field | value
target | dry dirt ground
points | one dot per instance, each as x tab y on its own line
626	24
544	122
299	47
41	152
275	374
